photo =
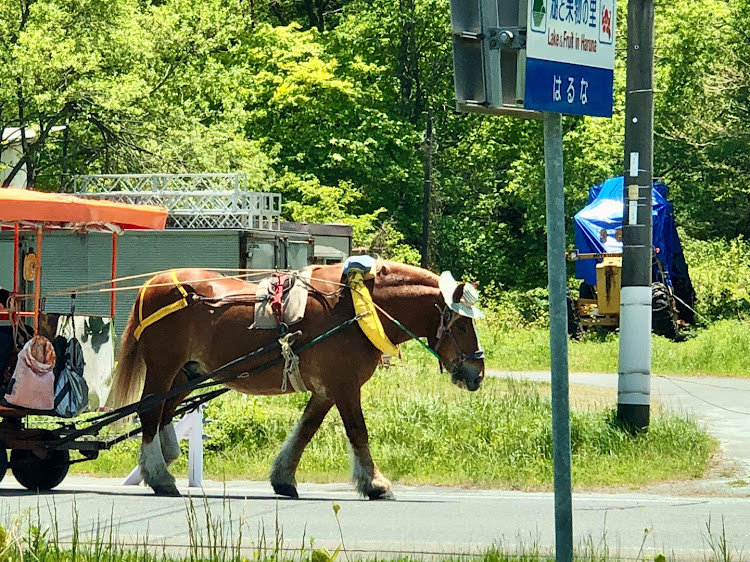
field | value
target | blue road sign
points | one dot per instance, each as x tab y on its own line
570	56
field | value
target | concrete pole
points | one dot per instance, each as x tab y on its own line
558	320
634	383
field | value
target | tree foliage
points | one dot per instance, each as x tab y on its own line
701	121
326	101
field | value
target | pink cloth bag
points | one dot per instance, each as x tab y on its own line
33	382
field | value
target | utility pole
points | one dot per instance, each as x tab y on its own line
634	382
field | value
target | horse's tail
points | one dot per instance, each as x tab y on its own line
130	371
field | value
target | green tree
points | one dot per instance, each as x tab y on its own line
74	64
326	101
701	123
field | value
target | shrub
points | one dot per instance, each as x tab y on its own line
720	271
513	309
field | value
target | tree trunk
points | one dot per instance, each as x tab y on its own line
427	148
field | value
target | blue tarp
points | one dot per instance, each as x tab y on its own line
604	211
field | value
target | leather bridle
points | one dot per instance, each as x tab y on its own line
447	318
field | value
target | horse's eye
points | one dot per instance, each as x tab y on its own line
461	329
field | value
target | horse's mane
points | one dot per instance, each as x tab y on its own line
395	274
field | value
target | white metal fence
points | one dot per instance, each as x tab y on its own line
193	200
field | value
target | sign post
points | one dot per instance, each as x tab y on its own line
558	328
570	60
541	58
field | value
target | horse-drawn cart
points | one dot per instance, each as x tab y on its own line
195	329
39	458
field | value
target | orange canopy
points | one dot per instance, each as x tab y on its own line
54	209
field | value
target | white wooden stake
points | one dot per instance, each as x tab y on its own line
189	427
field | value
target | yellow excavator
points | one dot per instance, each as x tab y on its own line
598	259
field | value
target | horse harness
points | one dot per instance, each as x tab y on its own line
280	285
154	317
447	319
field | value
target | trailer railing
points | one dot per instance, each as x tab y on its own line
194	201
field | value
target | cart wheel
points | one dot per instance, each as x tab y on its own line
35	473
3	461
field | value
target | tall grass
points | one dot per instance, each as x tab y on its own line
216	536
424	430
720	349
516	334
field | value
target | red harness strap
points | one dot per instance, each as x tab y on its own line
276	302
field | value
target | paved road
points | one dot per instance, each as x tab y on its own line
428	520
434	520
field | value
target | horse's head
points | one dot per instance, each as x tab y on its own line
457	341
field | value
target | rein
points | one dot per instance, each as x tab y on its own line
410	333
444	330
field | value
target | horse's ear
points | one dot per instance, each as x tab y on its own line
476	284
383	270
458	293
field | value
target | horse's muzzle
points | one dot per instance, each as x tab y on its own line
468	376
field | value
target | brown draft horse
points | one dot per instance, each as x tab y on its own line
206	336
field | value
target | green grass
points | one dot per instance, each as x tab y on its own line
720	349
424	430
36	545
23	538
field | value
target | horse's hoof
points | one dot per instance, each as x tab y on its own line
383	494
286	490
167	491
